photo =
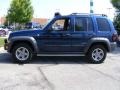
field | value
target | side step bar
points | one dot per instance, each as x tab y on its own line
60	55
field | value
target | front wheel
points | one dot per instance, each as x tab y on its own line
22	53
96	54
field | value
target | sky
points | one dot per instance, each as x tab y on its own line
47	8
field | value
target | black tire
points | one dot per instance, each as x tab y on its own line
28	49
94	57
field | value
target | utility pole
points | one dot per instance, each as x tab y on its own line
109	10
0	20
91	6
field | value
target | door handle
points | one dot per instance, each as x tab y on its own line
66	35
91	34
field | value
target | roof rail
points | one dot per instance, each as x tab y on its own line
104	15
80	14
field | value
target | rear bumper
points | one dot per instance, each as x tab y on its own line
113	46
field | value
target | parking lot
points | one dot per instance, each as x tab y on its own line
60	73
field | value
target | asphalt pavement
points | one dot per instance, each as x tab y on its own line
60	73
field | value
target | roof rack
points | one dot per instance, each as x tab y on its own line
104	15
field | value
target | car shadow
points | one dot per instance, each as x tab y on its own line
6	58
59	60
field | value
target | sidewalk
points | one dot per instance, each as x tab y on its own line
1	49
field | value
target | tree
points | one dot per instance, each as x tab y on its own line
116	4
20	11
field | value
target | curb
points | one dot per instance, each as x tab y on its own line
1	48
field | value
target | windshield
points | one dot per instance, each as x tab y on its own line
49	20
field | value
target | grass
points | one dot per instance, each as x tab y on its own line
1	42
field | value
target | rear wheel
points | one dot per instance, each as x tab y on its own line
22	53
96	54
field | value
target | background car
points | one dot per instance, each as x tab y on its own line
2	32
5	31
33	26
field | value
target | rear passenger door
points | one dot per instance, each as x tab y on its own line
83	32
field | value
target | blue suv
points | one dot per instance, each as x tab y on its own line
89	35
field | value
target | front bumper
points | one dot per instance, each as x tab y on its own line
6	45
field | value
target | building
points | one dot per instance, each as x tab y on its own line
41	21
2	20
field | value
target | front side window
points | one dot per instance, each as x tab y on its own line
83	24
103	24
61	25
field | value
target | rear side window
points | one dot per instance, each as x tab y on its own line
103	24
83	24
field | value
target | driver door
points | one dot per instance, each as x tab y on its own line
58	37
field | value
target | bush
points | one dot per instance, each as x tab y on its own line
1	42
117	23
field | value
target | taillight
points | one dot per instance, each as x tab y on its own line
115	38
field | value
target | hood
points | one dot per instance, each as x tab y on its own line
25	33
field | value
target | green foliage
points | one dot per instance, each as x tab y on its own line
116	4
20	11
117	23
1	42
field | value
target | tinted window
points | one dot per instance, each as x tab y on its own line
103	24
83	24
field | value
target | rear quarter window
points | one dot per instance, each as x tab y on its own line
103	24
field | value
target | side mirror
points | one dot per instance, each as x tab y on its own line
49	30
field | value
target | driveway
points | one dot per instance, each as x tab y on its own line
60	73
